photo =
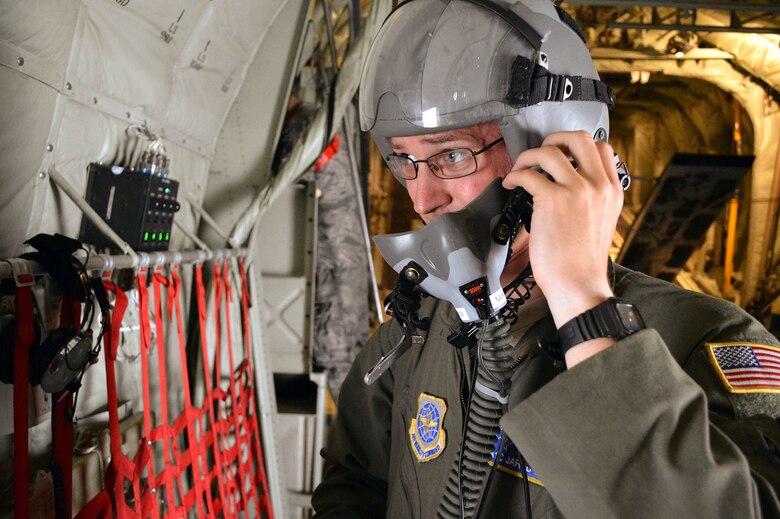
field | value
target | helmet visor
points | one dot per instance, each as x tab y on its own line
437	65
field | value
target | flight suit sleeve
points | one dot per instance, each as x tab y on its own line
628	433
356	472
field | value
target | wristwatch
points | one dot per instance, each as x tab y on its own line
614	318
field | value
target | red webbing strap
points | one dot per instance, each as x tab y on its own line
196	450
146	340
237	415
164	432
246	301
99	507
217	328
223	423
174	304
120	467
24	337
326	155
228	327
208	402
62	428
111	345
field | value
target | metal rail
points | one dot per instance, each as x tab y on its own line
266	395
610	53
681	4
683	16
684	27
106	262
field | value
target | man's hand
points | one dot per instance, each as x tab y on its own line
573	224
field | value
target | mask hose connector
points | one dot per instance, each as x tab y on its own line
403	302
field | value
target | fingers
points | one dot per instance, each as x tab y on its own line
525	172
608	159
551	159
570	157
587	154
574	218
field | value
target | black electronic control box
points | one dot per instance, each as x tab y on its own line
138	206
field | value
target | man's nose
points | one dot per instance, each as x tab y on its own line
427	191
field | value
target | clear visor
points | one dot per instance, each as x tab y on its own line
438	64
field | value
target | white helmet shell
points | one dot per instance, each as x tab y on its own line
439	65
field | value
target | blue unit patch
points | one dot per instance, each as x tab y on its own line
510	462
426	434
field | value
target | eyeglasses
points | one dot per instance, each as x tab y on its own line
457	163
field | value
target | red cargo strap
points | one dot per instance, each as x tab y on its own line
192	415
99	507
62	427
120	468
234	433
146	344
111	344
208	400
236	415
326	155
163	432
24	337
221	396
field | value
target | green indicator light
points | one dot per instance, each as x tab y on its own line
146	236
167	236
167	190
160	237
154	236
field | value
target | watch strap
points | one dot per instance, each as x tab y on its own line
614	318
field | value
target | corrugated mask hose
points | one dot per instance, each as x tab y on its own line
487	403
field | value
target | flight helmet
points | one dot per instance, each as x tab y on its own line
439	65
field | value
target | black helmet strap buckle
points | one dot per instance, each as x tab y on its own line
532	84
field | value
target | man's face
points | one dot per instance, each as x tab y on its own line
433	196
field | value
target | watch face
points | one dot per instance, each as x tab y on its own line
629	316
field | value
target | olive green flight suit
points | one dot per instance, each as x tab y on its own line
645	428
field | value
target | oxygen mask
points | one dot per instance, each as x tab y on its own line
459	256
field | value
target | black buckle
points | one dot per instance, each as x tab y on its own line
553	88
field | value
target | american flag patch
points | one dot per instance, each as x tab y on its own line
745	367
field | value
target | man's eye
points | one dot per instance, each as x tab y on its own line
455	156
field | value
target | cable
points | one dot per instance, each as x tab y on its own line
87	321
526	486
463	438
503	390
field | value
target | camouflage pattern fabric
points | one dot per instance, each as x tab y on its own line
342	294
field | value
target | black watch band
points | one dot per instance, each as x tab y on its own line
614	318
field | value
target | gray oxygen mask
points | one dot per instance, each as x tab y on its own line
455	257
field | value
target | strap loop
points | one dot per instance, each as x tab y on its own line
531	84
22	272
24	338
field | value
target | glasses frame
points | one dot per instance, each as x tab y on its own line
415	163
